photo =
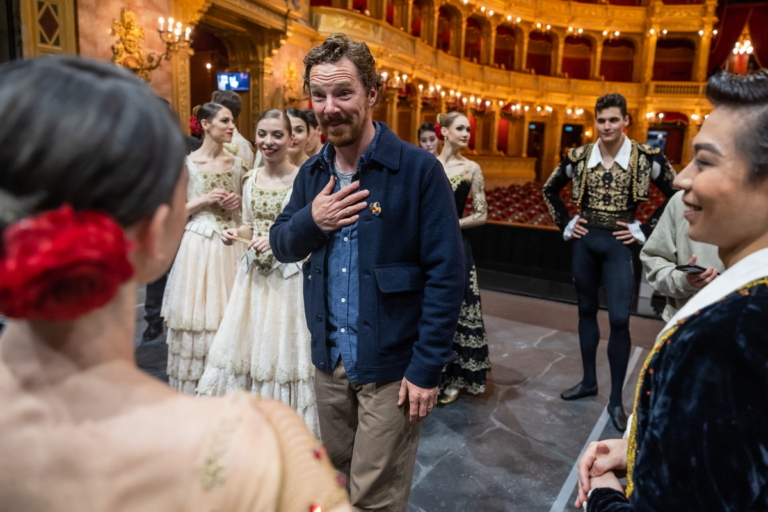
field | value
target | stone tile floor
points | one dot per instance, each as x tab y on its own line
512	448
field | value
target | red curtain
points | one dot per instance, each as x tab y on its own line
732	22
617	70
758	29
541	64
503	139
576	68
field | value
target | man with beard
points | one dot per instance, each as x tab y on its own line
384	280
610	179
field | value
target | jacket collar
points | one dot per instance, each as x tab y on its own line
386	151
622	157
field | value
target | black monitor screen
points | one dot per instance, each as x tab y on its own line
233	81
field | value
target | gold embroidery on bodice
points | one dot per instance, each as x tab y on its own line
456	181
608	190
265	206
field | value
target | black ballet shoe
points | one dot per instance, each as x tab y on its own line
578	391
618	417
153	331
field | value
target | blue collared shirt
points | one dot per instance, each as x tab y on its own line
342	285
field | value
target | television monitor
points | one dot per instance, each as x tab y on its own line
233	81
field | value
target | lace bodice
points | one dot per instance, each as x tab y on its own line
200	183
260	209
461	188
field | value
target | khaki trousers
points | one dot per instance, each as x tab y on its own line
369	439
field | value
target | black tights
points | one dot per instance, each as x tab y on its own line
595	255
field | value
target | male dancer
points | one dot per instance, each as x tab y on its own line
610	179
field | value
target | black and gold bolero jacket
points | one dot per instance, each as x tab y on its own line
646	164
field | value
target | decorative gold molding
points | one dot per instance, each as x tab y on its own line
49	27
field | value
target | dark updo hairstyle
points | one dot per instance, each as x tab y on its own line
276	113
229	99
748	96
208	111
426	127
311	118
294	112
611	100
85	133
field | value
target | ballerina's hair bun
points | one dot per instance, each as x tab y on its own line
89	149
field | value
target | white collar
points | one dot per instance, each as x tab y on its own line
751	268
622	157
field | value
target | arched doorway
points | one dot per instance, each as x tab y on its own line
473	39
211	57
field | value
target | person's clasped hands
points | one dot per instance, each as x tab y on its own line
601	465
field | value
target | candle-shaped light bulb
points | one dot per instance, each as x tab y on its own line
178	25
186	36
170	23
161	22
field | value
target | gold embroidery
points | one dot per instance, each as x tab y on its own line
608	188
212	469
455	181
265	206
225	219
665	339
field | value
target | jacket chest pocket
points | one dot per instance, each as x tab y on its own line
401	289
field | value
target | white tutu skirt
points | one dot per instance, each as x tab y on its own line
193	305
263	344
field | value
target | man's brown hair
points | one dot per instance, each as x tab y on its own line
335	48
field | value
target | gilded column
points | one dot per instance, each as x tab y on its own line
649	55
702	56
391	99
489	43
429	24
690	132
182	102
402	17
494	120
557	61
521	49
553	144
597	59
459	36
415	120
526	132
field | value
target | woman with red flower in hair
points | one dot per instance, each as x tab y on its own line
93	202
204	271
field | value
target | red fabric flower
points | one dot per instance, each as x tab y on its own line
439	131
194	126
60	264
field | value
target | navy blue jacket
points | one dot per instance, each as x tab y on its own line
411	263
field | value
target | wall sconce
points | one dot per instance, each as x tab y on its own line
654	117
395	82
588	134
697	119
490	13
127	51
611	35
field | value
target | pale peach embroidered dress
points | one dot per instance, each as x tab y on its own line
168	453
201	278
